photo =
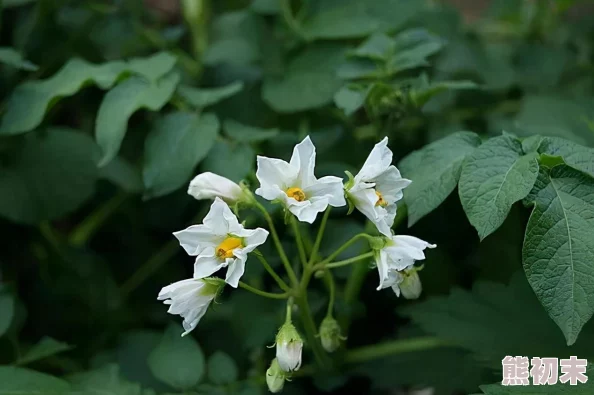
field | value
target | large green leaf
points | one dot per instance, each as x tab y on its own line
19	381
232	160
490	321
173	148
434	171
335	19
202	97
309	81
222	368
493	178
103	381
6	311
177	361
123	174
121	102
240	132
574	155
12	58
49	176
558	248
29	102
45	348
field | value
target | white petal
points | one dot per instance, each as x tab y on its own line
382	217
381	261
308	210
274	174
390	184
304	159
236	269
207	263
330	187
377	162
253	238
196	238
412	241
216	219
209	186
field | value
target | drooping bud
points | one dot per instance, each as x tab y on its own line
209	186
410	286
288	347
330	334
275	377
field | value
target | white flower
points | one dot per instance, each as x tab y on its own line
295	185
377	187
288	347
209	186
399	253
190	299
220	242
406	282
275	377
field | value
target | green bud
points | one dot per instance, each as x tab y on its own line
275	377
288	347
411	284
213	286
377	243
330	334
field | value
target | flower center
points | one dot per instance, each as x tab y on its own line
225	249
380	200
296	193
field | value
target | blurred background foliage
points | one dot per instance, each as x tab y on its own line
110	107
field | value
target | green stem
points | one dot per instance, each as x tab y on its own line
279	246
319	237
289	310
271	271
345	246
332	291
299	241
344	262
393	347
311	330
196	13
290	20
86	229
263	293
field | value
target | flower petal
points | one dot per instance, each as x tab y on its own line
308	210
390	184
412	241
304	159
330	187
195	238
381	261
236	269
216	219
253	238
209	185
377	162
274	173
207	263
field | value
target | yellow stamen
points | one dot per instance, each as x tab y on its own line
296	193
380	200
225	249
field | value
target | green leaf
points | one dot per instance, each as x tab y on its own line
19	381
435	171
121	102
49	176
350	99
14	3
45	348
378	46
30	101
202	97
12	58
491	322
103	381
248	134
234	161
557	389
559	247
121	173
177	361
222	368
175	145
309	81
493	178
336	19
6	311
574	155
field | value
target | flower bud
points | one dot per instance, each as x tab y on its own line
411	284
209	186
330	334
288	347
275	377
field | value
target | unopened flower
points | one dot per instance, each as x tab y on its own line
406	282
190	299
330	334
209	186
221	241
295	185
377	187
397	254
275	377
288	347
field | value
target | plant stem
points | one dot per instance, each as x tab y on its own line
279	246
344	262
311	330
332	291
271	271
290	20
344	247
319	237
393	347
299	241
263	293
87	228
